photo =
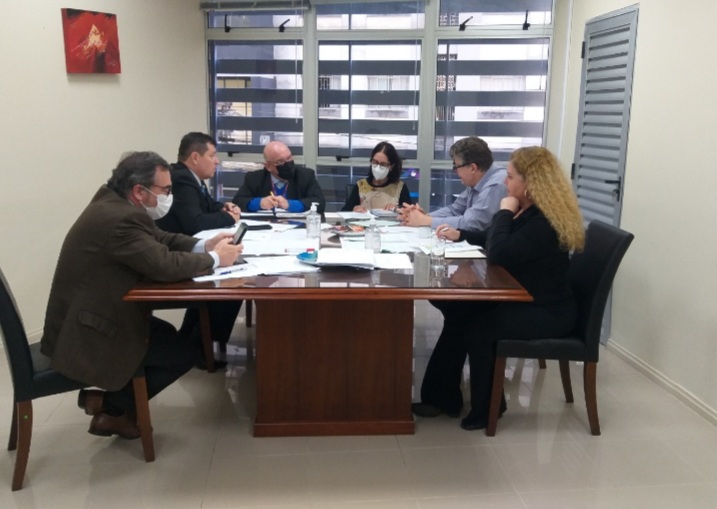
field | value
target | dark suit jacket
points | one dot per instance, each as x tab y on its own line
192	211
303	186
90	333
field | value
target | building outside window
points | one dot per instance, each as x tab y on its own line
364	86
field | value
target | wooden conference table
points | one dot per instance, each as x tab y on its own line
335	348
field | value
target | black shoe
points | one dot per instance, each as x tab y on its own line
473	423
427	410
202	364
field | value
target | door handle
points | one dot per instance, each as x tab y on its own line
617	190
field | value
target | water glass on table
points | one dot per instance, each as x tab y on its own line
438	254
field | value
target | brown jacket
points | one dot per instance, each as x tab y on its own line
90	333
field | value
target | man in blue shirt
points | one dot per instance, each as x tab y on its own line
474	208
280	185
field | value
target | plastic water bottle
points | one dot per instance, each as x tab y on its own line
372	239
313	224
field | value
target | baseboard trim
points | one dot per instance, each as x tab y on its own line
670	386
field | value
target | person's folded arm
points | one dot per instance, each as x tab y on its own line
505	247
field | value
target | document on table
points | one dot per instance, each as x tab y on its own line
354	215
463	250
363	258
267	266
280	213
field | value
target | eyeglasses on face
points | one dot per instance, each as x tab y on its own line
456	167
382	165
166	190
280	162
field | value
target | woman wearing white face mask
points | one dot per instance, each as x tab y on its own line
382	189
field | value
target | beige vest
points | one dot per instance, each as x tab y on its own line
378	197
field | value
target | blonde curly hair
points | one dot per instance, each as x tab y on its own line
552	193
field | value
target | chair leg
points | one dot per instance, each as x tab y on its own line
12	441
144	422
249	312
565	376
23	414
542	364
494	410
206	330
590	381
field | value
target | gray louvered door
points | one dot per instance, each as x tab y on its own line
604	120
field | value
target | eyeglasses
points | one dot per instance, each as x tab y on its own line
385	166
281	161
166	190
457	166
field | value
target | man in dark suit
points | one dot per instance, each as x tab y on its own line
194	210
281	184
90	333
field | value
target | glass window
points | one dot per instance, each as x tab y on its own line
492	88
291	18
492	12
257	94
371	16
368	92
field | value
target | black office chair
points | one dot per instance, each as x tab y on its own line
591	275
33	378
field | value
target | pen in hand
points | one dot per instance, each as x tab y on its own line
273	209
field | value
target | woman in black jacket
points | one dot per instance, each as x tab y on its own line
531	236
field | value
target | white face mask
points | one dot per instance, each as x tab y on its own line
164	203
379	172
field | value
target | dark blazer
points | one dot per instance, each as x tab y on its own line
192	211
90	333
529	249
303	186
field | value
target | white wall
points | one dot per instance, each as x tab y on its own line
61	134
664	307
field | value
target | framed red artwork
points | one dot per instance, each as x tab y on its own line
91	42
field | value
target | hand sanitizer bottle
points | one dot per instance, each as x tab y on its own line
372	239
313	224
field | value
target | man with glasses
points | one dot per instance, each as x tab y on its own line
91	334
280	185
194	210
474	208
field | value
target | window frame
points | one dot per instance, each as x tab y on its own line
428	37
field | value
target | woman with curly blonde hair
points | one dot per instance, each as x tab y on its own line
531	236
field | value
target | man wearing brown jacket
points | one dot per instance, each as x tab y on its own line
90	333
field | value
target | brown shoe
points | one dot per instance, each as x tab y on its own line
90	400
104	425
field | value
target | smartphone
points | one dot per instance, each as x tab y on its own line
241	231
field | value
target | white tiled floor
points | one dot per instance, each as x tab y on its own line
654	452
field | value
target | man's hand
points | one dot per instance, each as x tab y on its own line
414	217
268	202
231	209
281	202
227	252
210	244
447	232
